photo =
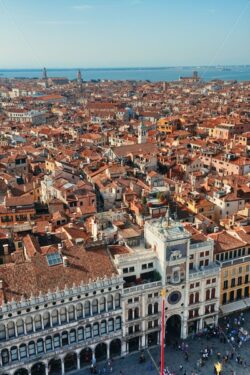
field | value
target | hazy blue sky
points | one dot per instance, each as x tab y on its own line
109	33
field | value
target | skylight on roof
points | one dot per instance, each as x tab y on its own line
54	259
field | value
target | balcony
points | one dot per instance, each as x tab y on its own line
141	287
210	270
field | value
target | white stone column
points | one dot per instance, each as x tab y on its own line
158	337
46	369
78	361
63	369
200	328
124	348
108	350
91	311
143	341
184	329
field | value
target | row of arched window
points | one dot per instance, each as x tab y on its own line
195	297
60	316
50	343
153	308
210	294
135	313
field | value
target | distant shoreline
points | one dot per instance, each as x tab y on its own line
153	74
129	68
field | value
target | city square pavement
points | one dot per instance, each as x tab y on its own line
175	357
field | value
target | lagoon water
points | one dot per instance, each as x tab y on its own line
239	73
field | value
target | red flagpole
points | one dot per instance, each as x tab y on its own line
163	295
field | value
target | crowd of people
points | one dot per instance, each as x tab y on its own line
231	331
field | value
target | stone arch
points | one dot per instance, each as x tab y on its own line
11	329
32	348
48	344
173	327
85	357
136	313
54	318
133	344
207	294
110	302
23	352
40	346
103	329
102	303
70	362
191	299
79	311
21	371
2	332
197	297
72	336
117	300
29	324
150	309
38	322
65	338
38	369
213	292
20	327
46	319
14	354
57	341
118	323
88	331
63	315
55	366
156	307
71	313
130	314
111	326
115	348
5	356
80	334
87	308
95	329
95	306
101	351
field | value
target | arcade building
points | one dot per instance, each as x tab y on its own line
65	307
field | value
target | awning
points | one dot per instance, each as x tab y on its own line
234	306
210	321
247	302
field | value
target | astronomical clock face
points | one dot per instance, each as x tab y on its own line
174	297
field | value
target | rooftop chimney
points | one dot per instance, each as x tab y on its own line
65	261
60	248
6	249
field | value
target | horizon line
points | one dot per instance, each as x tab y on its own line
129	67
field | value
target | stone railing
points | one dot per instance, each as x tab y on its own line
207	271
139	288
59	294
208	244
